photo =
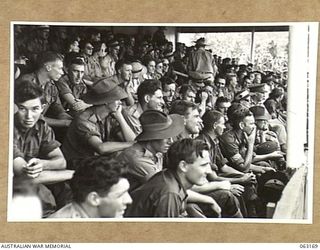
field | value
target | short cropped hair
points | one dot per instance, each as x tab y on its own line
181	107
26	90
210	117
120	63
185	88
83	43
221	99
147	87
219	76
96	46
167	81
73	58
236	114
49	56
96	174
187	150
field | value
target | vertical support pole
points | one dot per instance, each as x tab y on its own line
297	94
252	54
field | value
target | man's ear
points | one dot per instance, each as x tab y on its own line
93	199
43	107
241	125
48	67
182	166
214	125
146	98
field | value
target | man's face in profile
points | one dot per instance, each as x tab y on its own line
115	203
55	70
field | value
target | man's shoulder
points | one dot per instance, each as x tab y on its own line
133	153
228	136
86	117
63	80
31	77
114	79
71	210
165	182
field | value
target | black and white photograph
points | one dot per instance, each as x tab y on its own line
163	122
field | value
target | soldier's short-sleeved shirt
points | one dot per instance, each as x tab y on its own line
142	164
53	106
71	210
36	142
132	114
217	159
65	86
161	196
84	126
233	147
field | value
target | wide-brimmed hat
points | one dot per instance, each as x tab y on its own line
260	113
104	91
271	185
157	125
267	147
200	42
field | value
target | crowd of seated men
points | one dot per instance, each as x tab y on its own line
112	125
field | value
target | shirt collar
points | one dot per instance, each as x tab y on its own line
99	112
41	83
149	154
80	210
212	140
180	183
239	134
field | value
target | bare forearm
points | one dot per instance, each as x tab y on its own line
50	177
110	147
207	187
248	158
195	197
229	170
69	98
129	100
57	163
127	132
202	107
261	158
57	122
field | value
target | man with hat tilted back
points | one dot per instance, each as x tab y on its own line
145	157
100	129
201	62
